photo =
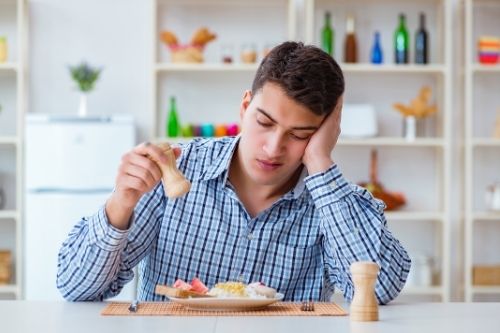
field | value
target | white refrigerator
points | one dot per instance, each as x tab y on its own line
71	165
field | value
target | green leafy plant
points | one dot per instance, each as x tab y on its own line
85	76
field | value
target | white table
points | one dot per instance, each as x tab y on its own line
63	317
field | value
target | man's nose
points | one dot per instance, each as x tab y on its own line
274	144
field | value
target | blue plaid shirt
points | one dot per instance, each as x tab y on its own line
302	245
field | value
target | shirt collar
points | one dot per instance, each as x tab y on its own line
223	161
301	185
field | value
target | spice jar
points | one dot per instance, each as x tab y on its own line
248	54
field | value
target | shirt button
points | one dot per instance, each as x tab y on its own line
333	183
250	236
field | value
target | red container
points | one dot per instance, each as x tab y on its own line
488	58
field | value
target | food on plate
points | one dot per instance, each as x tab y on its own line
196	285
263	290
230	289
239	289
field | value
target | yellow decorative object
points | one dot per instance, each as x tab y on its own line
3	49
192	52
419	107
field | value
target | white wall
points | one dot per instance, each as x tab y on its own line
114	34
117	35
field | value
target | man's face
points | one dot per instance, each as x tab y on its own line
275	133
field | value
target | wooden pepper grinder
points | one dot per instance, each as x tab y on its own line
174	182
364	306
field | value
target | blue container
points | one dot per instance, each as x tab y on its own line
207	130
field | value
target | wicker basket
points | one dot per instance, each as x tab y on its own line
486	275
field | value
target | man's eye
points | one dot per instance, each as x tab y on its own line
299	137
264	124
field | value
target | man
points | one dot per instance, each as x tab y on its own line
270	205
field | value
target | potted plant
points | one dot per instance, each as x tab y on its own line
85	77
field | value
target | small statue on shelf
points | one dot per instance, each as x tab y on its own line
188	53
418	108
393	200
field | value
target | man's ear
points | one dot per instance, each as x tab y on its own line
247	98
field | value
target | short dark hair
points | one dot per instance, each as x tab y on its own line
307	74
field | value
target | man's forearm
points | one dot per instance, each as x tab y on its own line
90	258
118	215
355	230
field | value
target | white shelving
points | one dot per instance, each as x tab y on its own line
13	99
364	77
9	66
213	67
415	216
368	142
420	291
234	23
214	77
8	140
486	290
481	149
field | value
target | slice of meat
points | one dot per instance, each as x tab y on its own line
198	286
181	284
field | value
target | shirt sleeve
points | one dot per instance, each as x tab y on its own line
97	259
355	229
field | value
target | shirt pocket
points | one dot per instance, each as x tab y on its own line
295	266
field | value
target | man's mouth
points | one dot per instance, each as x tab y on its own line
268	165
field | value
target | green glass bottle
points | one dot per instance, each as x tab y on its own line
173	126
327	35
401	42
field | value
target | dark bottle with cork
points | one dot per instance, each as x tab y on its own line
350	45
421	43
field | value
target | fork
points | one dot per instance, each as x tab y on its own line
134	306
307	306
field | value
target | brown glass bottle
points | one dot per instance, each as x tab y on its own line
350	44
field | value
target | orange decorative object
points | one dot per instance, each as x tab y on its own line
220	130
420	106
393	200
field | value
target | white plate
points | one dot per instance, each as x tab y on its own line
227	304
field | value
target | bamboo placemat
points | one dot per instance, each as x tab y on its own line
173	309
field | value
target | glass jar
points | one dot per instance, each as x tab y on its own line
227	53
421	271
248	54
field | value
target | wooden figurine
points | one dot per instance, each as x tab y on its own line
174	182
364	306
